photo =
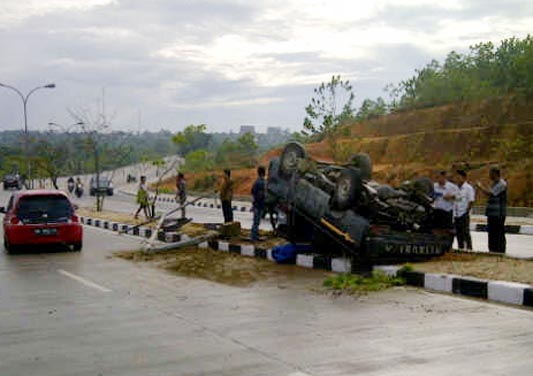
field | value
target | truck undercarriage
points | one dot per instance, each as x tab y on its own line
342	210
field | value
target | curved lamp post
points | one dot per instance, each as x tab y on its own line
25	102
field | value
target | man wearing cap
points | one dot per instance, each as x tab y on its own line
464	200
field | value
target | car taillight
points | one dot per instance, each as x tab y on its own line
74	218
14	221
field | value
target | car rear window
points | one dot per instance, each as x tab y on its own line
42	209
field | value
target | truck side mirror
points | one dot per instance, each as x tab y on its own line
2	209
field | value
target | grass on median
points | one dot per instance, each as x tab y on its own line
356	284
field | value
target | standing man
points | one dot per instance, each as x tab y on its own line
181	192
226	195
445	192
496	210
463	205
142	198
258	193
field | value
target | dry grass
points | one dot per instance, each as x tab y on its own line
481	266
110	216
227	268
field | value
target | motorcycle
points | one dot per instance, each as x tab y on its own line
70	186
79	190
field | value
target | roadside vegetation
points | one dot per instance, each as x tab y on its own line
357	284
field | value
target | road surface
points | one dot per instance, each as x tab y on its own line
91	314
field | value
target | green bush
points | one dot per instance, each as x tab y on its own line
353	283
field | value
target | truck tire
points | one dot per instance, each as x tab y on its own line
292	152
362	162
348	189
424	185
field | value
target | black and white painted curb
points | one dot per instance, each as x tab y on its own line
509	229
497	291
141	231
205	203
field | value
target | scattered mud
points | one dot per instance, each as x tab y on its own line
492	267
110	216
228	268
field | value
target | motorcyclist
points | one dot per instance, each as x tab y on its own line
79	188
70	184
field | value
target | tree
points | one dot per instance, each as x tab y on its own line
95	127
331	105
193	137
370	109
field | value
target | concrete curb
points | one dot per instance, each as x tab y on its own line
207	203
142	231
509	229
497	291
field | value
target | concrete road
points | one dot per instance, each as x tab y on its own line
89	314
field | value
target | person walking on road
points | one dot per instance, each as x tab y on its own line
496	210
181	192
226	195
142	199
445	192
258	193
464	200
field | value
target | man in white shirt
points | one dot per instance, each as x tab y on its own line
464	200
445	192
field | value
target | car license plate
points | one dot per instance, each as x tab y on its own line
46	231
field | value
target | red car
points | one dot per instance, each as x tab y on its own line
41	217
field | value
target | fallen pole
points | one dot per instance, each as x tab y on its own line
157	218
178	245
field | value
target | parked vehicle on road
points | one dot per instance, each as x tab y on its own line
103	186
41	217
374	223
12	181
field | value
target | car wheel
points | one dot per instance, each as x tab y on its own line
348	188
6	245
362	162
292	152
76	247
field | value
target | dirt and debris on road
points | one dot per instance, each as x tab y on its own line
110	216
485	266
228	268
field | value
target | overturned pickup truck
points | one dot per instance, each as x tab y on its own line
342	210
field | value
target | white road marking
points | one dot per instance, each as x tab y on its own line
299	374
83	281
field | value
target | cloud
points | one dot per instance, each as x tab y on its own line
226	62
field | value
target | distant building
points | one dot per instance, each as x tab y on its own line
274	131
247	129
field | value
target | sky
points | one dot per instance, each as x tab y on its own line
164	64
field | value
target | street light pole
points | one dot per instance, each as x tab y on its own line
26	134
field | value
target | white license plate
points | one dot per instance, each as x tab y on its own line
46	231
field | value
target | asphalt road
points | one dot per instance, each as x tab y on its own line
90	314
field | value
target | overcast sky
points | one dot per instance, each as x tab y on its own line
169	63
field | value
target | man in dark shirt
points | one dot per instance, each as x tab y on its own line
496	210
226	195
258	193
181	192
